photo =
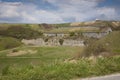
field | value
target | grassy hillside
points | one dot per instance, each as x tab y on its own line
112	40
106	46
8	43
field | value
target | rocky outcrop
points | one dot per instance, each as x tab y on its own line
53	42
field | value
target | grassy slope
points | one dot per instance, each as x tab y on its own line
113	40
8	43
44	55
109	43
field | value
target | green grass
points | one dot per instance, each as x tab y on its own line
8	43
62	71
49	64
44	56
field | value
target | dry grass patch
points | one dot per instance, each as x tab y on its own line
21	52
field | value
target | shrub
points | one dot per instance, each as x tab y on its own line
72	34
15	50
46	40
61	41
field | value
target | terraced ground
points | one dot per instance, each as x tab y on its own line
58	63
65	27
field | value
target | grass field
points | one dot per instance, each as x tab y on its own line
53	63
43	55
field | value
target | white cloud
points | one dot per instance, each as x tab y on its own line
27	13
8	11
109	13
83	10
79	10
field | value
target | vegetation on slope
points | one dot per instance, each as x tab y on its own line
43	55
112	40
8	43
115	25
20	32
62	71
50	63
109	43
61	25
66	27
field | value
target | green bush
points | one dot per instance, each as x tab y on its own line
20	32
15	50
61	41
8	43
72	34
46	40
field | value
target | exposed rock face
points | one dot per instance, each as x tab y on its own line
94	34
35	42
53	42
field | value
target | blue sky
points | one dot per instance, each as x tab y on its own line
58	11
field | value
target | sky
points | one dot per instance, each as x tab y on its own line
58	11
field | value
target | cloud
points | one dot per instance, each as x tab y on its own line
26	13
67	10
83	10
108	13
